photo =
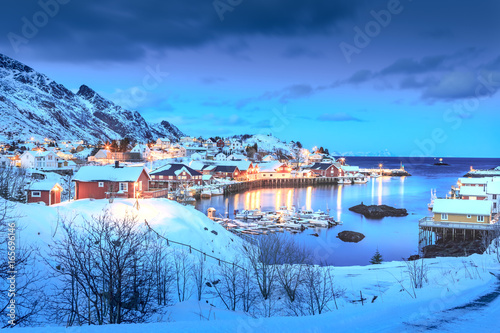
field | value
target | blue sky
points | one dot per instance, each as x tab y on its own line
421	80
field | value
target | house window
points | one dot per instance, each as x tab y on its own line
140	185
161	177
444	216
469	216
494	196
480	218
36	194
101	184
123	187
494	205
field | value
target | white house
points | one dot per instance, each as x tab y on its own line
196	157
274	170
221	157
237	157
268	158
493	192
209	144
142	149
5	161
39	159
235	145
163	143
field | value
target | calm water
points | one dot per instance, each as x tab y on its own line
395	237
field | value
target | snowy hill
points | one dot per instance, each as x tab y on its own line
32	104
268	143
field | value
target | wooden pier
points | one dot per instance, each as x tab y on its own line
430	231
278	183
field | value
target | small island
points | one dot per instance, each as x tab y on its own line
378	211
441	162
350	236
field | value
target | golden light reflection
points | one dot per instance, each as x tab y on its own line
379	193
373	189
236	201
308	197
247	201
339	202
402	189
257	201
278	200
289	199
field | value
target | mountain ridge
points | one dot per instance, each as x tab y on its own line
32	104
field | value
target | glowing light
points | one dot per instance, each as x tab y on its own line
339	202
289	199
379	191
308	197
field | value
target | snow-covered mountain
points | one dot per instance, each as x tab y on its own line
32	104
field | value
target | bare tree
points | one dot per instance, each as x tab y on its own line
182	271
105	271
319	289
199	272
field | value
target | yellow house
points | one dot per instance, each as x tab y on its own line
464	211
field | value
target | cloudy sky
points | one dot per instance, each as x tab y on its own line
418	78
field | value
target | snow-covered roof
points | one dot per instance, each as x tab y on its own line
108	173
462	207
44	185
139	148
350	168
270	166
164	139
473	190
493	187
470	181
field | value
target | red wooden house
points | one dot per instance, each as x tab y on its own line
327	169
220	143
48	192
172	175
100	182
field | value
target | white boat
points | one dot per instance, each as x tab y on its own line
340	181
360	181
217	191
206	193
374	175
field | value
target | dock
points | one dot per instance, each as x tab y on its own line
431	231
385	172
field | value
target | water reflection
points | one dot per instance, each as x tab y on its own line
339	202
308	197
289	199
379	192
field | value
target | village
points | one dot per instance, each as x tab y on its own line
182	171
192	168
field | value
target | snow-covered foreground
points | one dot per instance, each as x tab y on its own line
179	223
445	303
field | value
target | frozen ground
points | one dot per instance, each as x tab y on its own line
459	294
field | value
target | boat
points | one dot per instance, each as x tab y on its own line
430	205
340	181
217	191
360	180
206	193
374	175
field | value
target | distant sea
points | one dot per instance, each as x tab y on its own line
394	237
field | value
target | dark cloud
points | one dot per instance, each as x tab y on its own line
411	82
128	29
339	116
284	95
467	84
360	76
411	66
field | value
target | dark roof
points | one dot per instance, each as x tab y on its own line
321	166
170	170
225	168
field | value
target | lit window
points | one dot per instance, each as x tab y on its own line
480	218
36	194
161	177
444	217
101	184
